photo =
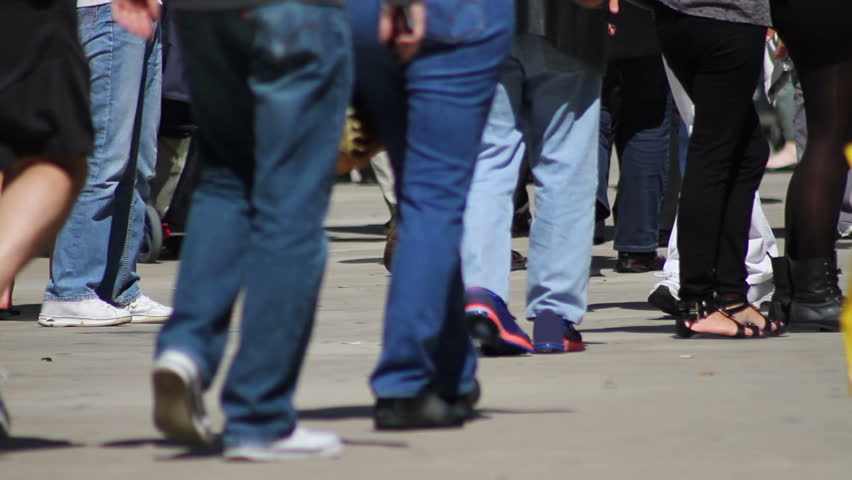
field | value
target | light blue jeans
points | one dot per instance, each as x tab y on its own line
547	106
95	253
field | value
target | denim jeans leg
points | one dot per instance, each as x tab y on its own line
565	117
115	60
126	287
643	145
451	87
306	102
487	237
277	95
212	258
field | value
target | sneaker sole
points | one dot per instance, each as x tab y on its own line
249	454
81	322
492	342
173	409
567	346
145	319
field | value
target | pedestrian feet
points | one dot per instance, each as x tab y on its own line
180	415
95	312
498	333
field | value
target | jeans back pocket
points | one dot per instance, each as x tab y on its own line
454	21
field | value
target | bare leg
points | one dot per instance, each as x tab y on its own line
36	200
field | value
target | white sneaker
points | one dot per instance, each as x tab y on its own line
178	403
147	310
81	313
5	422
302	443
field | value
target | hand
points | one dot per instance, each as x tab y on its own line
781	51
137	16
613	6
771	34
406	42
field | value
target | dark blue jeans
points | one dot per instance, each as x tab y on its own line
635	106
269	90
430	114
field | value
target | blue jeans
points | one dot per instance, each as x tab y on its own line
635	118
95	253
547	106
430	115
269	88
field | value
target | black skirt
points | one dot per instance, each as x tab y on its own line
816	31
44	82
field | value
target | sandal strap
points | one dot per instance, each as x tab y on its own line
729	312
697	309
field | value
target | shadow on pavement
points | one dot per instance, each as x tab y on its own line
362	261
377	229
366	412
355	239
142	442
487	412
666	329
184	454
602	263
337	413
21	313
22	444
643	306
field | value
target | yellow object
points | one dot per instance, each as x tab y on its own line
846	318
358	144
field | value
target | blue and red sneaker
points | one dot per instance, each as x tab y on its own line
554	334
489	322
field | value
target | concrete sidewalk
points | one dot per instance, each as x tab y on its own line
637	404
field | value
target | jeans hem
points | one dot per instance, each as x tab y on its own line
73	298
129	296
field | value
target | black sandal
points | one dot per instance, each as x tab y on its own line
701	309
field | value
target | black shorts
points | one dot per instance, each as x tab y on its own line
44	82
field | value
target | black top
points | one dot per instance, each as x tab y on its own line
580	32
635	34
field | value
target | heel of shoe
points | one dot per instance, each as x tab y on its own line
681	330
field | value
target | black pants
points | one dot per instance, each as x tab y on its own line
718	64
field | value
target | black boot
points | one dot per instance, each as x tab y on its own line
817	299
779	308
